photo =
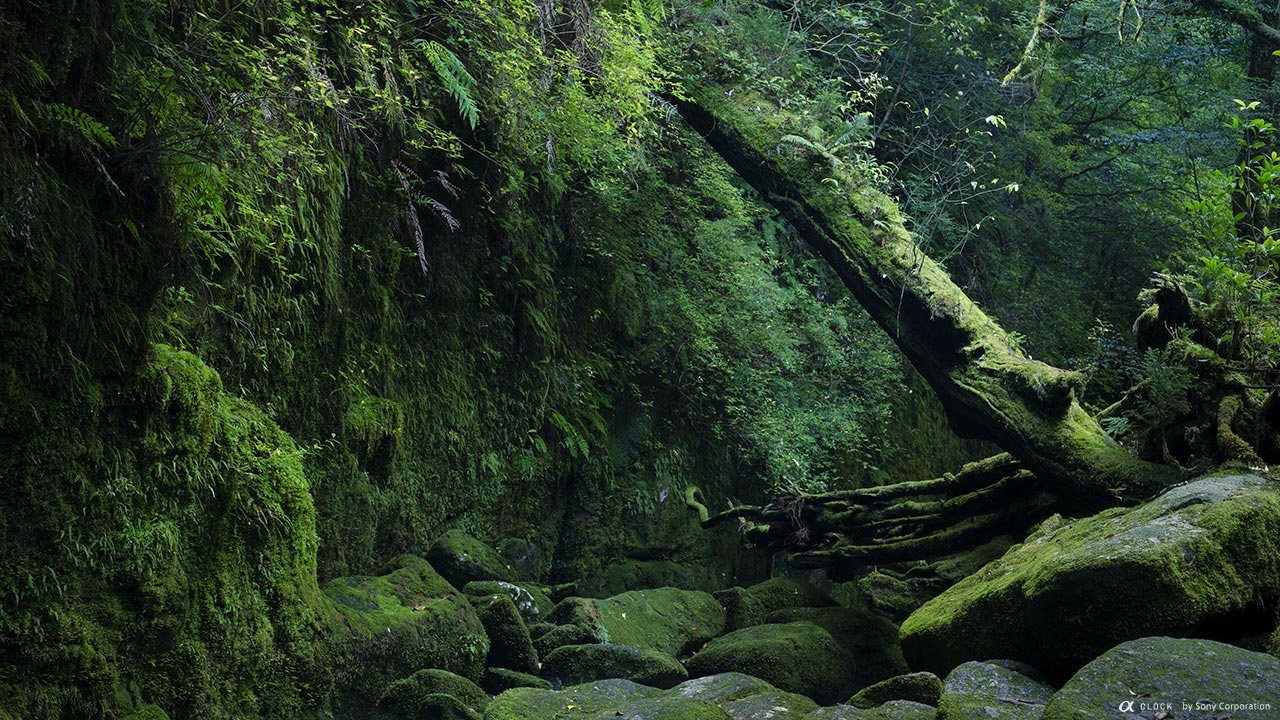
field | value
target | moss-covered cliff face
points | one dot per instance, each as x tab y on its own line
292	287
159	546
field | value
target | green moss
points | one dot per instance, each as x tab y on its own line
509	643
418	694
577	701
187	574
499	680
1200	551
745	607
797	657
179	394
569	634
1172	671
721	687
374	426
532	602
617	698
573	664
775	704
463	559
396	623
921	687
668	620
978	691
891	710
872	640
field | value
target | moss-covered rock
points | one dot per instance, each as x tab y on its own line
576	701
722	687
749	606
1191	679
498	680
772	705
899	592
159	544
730	696
439	706
574	664
526	558
668	620
797	657
509	643
663	708
397	623
987	691
530	600
872	639
921	687
419	695
538	629
630	574
1199	552
461	559
892	710
561	635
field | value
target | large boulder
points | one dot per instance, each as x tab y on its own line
575	664
720	688
1198	553
394	624
797	657
992	691
667	620
530	600
606	698
462	559
892	710
509	643
774	705
872	639
498	680
434	693
921	687
749	606
1188	679
544	641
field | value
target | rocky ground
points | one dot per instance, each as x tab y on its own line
1101	617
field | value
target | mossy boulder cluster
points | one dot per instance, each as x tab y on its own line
783	647
1201	553
1198	679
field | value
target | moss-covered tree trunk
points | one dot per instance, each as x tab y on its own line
989	387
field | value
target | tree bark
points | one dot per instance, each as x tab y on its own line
988	386
905	521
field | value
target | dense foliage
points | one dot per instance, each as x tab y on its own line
293	286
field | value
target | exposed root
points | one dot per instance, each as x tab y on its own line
903	521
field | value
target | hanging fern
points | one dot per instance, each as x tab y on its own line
80	121
453	74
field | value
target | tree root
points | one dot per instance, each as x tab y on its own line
1231	445
899	522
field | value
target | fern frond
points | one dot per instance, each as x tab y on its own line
80	121
444	213
807	147
411	214
442	177
454	76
